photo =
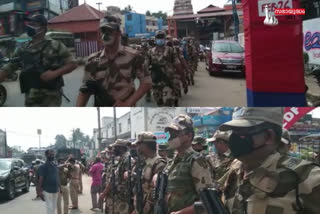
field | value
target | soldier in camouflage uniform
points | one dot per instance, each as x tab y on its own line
163	151
110	73
43	62
185	73
285	144
199	144
163	68
222	161
188	171
120	195
264	181
147	147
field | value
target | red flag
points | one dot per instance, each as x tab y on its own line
293	114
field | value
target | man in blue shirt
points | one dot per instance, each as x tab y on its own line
49	184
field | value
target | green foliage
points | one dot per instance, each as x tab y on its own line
162	15
61	141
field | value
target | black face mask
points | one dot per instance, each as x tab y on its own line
32	31
240	145
50	159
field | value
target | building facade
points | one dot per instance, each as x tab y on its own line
140	25
12	13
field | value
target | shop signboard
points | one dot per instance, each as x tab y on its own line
162	137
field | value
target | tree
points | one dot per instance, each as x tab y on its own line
127	9
61	142
80	139
148	13
162	15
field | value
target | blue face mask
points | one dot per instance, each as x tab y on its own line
160	42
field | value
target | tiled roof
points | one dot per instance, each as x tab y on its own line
211	8
83	12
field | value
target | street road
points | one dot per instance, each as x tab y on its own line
225	90
23	203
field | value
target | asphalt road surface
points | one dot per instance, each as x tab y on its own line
23	203
225	90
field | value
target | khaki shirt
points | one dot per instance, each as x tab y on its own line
76	172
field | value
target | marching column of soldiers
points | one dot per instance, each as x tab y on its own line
249	172
164	66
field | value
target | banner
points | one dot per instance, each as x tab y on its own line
293	114
162	137
273	56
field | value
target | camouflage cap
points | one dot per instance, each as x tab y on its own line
200	140
111	22
286	139
146	137
161	34
38	18
220	135
246	117
163	147
180	123
121	142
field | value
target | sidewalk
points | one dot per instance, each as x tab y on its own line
85	203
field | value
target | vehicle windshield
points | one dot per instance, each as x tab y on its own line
5	165
227	47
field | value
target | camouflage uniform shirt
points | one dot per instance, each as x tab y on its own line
153	166
186	176
271	188
116	76
54	55
221	165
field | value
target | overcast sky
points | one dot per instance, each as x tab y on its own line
22	123
141	6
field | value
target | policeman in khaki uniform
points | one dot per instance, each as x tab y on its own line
262	180
188	171
64	176
74	183
43	62
121	194
110	73
223	159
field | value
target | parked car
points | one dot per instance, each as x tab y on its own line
225	56
13	177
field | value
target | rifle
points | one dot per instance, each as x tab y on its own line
157	75
129	186
160	192
211	202
139	190
113	183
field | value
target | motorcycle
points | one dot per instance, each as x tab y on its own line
13	76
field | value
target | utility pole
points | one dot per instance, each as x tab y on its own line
99	128
235	20
115	123
39	133
99	3
61	8
73	139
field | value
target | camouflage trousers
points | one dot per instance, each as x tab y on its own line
177	86
163	95
120	207
43	98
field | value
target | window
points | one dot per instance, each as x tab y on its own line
129	17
